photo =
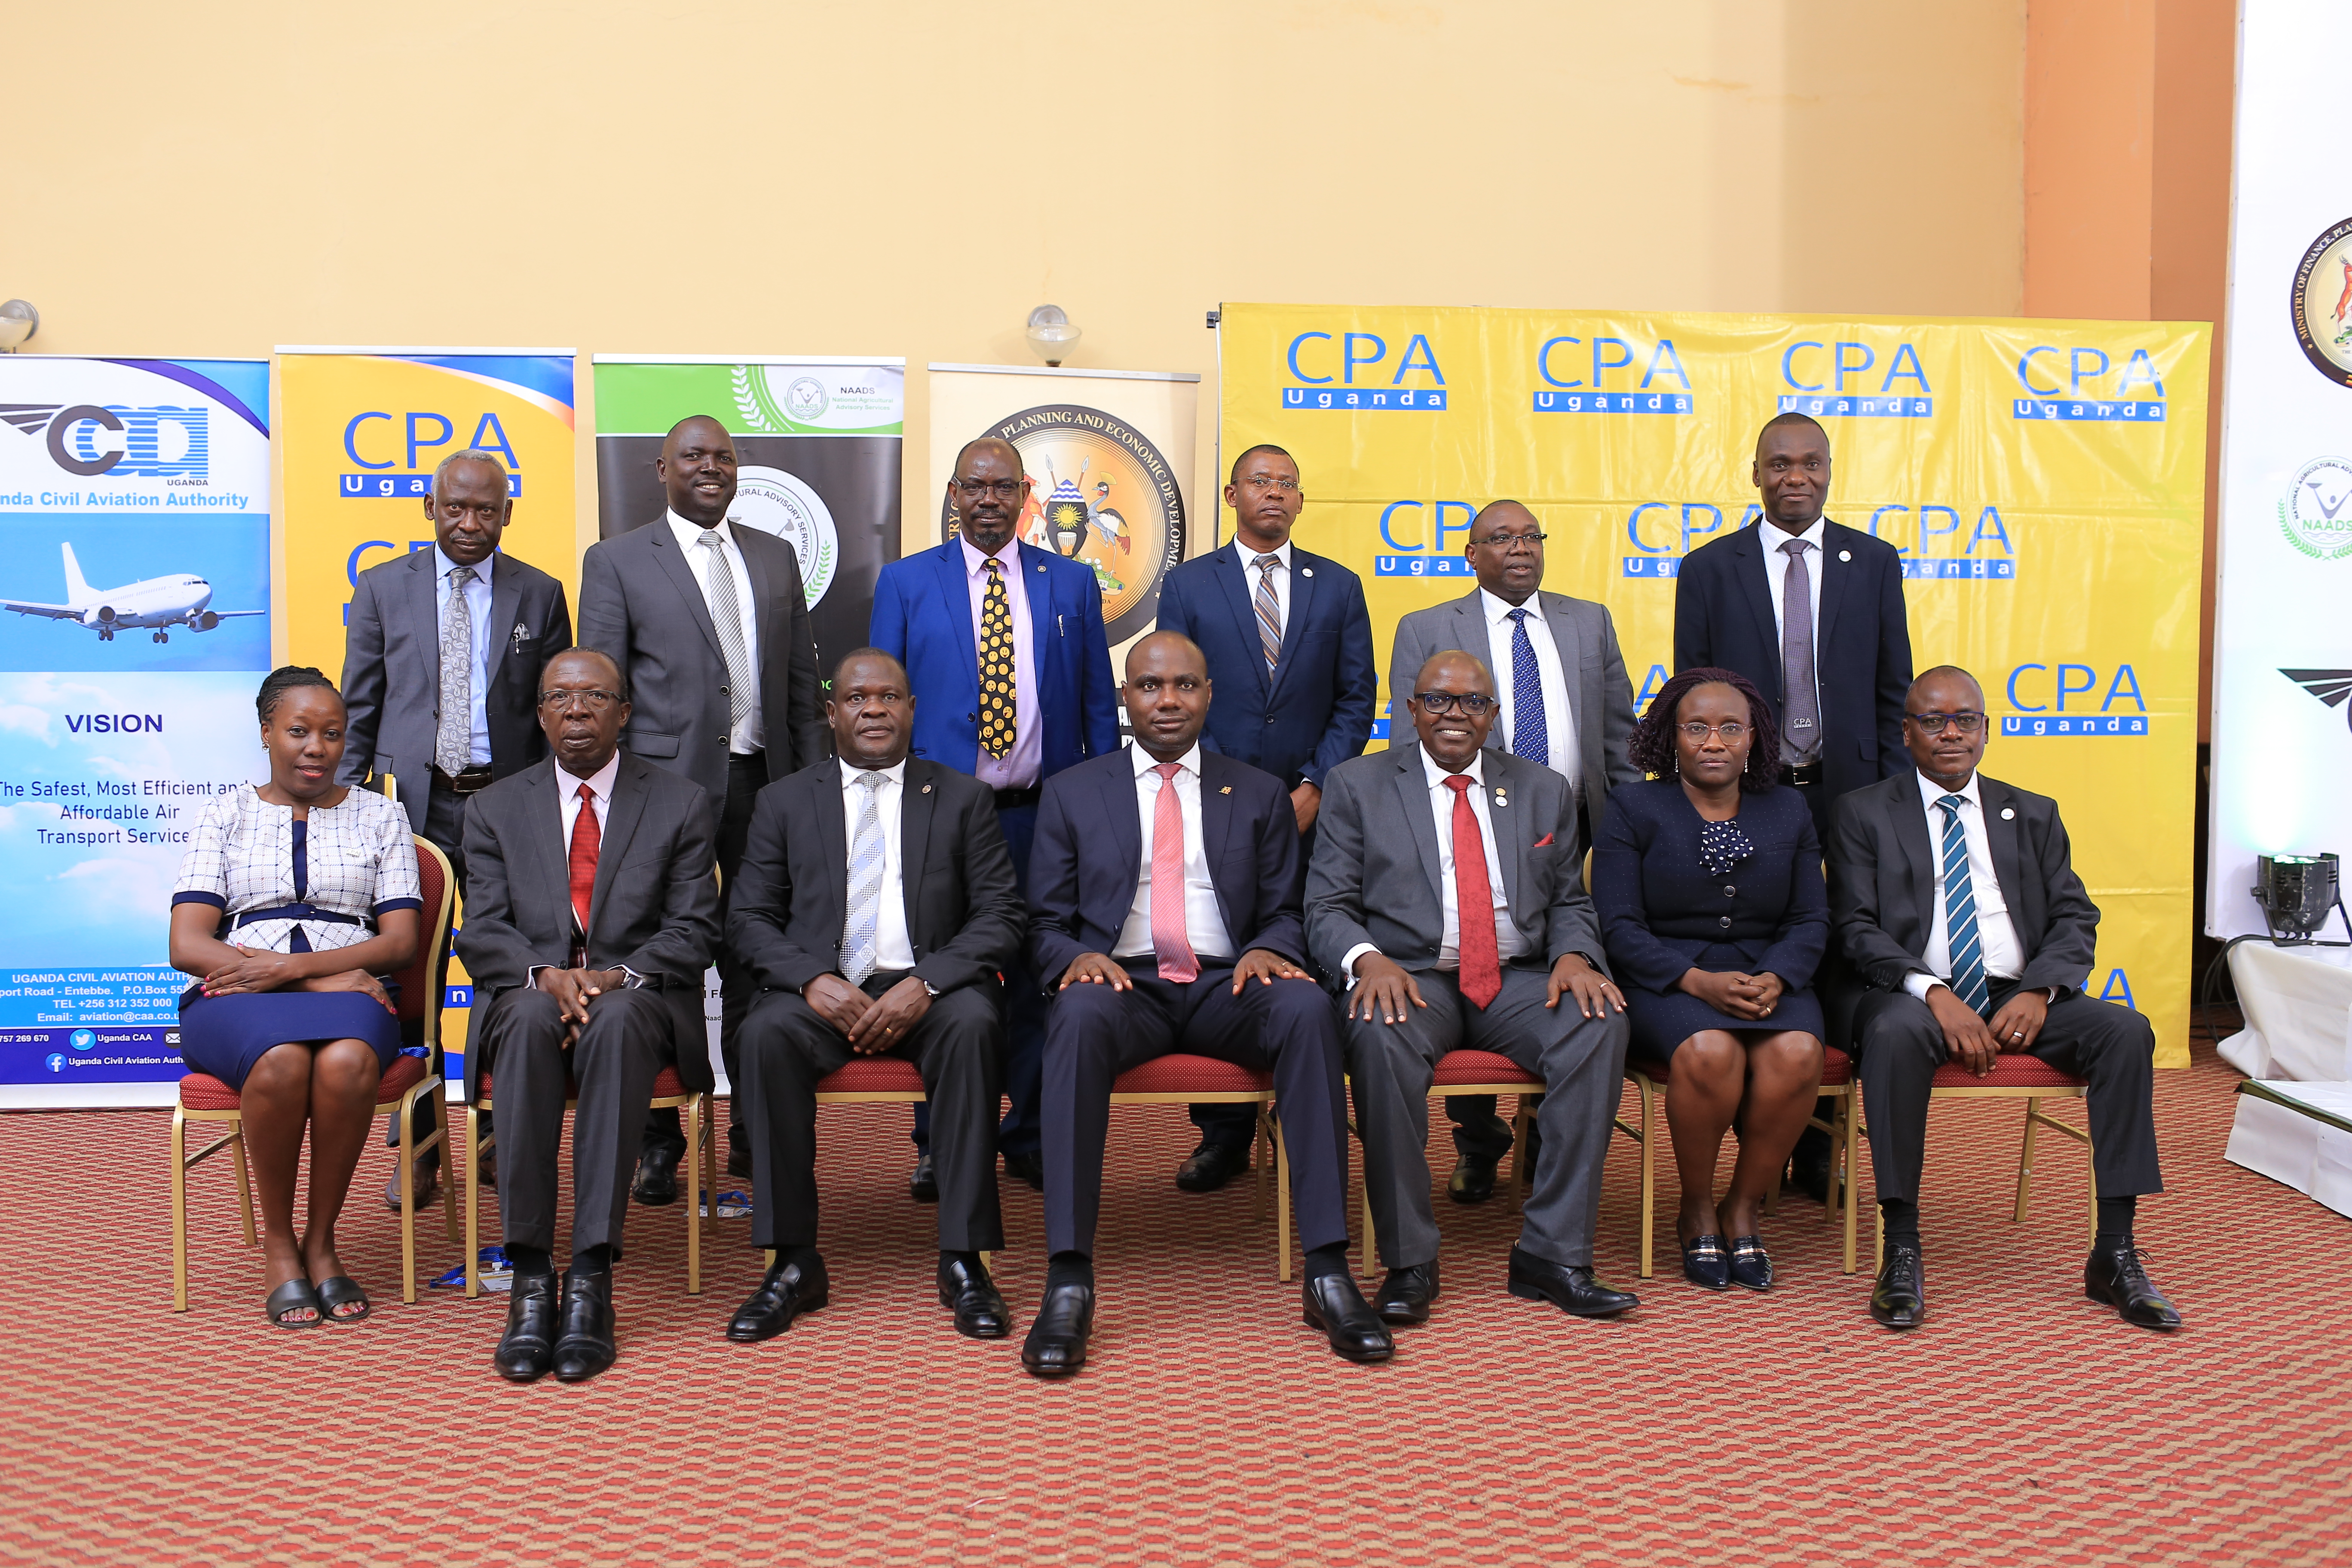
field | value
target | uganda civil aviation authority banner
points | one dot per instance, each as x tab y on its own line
134	502
2044	481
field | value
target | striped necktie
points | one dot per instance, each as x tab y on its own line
1269	612
1530	736
861	932
1961	938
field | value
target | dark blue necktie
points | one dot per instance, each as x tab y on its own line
1967	948
1528	738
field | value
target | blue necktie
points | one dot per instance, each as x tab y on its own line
1528	737
1960	911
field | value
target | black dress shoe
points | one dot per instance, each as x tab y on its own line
980	1309
1405	1295
1809	1164
1029	1168
1899	1300
1751	1266
1569	1287
1705	1264
1056	1345
527	1350
656	1180
428	1184
1333	1306
1212	1165
739	1158
1473	1181
585	1346
923	1186
784	1295
2116	1276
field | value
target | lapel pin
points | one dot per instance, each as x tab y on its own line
927	789
1307	571
1845	554
2008	813
1227	790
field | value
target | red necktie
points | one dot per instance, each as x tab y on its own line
1474	898
587	838
1170	938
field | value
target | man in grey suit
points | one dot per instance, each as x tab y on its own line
1565	705
710	629
592	916
441	662
1480	935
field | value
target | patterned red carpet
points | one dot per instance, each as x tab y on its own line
2020	1426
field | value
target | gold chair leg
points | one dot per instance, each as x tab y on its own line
1849	1124
1282	1202
473	1202
694	1196
244	1185
2091	1176
179	1210
2025	1161
448	1130
408	1200
1649	1179
1261	1156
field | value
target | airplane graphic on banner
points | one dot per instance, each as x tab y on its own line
153	604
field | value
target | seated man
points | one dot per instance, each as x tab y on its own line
1418	843
874	911
1953	900
1163	907
590	913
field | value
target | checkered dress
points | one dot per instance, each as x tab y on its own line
357	857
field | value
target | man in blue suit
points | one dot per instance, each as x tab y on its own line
1004	646
1289	646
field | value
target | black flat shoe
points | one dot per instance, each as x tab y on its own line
527	1350
1569	1287
656	1180
1473	1181
1899	1300
1027	1168
1810	1162
1705	1264
980	1309
1751	1266
1333	1307
1056	1345
923	1186
1405	1295
784	1295
341	1291
294	1297
585	1347
1212	1165
2115	1275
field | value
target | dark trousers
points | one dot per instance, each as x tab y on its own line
444	822
957	1047
1093	1033
746	777
1025	1012
1236	1126
1902	1046
612	1065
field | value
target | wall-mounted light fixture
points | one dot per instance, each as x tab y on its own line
18	320
1051	333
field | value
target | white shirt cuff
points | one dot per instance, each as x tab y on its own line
1347	963
1920	982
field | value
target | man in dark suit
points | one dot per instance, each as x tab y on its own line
460	622
1955	899
1005	645
1164	914
1835	676
710	629
1289	646
875	908
1565	704
1447	896
589	920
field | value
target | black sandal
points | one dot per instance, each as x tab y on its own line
341	1291
293	1297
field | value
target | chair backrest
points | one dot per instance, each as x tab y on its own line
420	1006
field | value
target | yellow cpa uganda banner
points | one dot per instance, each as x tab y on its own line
2044	481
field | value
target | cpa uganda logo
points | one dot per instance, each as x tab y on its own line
1100	492
2330	686
2321	303
2316	515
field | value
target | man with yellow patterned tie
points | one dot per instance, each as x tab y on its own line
1005	654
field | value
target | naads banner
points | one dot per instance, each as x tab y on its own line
2043	480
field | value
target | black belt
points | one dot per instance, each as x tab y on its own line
477	777
1007	799
1807	773
296	912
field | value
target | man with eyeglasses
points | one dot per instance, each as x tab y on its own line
1564	703
1289	646
1006	657
1956	902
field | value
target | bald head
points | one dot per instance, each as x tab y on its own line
698	470
1181	648
1166	693
987	492
996	444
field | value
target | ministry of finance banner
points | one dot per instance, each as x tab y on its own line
2044	481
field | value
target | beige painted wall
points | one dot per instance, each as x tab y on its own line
911	178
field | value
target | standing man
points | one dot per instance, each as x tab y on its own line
441	676
1289	646
1003	645
710	629
1563	703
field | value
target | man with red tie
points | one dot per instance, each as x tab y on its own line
1447	897
1164	895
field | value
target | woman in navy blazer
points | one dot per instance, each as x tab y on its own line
1708	880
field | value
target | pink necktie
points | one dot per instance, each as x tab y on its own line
1168	938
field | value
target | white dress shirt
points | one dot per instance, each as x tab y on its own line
1560	717
477	605
1776	573
567	807
1205	921
893	948
1250	574
1023	766
751	734
2004	956
1507	945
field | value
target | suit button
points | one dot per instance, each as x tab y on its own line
972	718
1730	893
1726	922
1270	718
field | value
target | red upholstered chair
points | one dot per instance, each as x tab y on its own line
1479	1072
203	1098
2020	1077
1181	1079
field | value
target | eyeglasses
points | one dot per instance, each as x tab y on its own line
1934	723
597	701
1437	704
1732	731
1504	542
1002	489
1260	482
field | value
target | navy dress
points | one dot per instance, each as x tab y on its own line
1675	892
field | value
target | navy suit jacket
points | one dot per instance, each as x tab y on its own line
1862	652
923	617
1316	709
1088	855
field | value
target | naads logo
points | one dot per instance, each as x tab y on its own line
2316	515
2320	303
2330	686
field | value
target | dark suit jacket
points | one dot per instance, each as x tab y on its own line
791	898
655	908
639	602
923	617
1375	873
1862	651
1883	883
392	671
1088	855
1316	712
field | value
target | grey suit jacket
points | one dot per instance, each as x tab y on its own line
1374	875
1600	697
639	602
392	671
654	910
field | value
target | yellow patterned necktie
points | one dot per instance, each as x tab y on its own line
998	722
